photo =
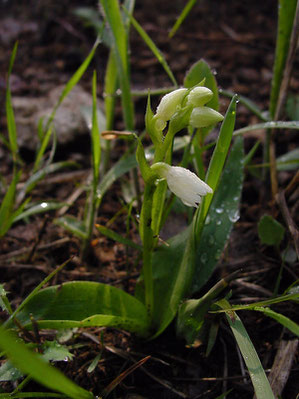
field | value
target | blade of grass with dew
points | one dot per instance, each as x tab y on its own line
42	207
157	53
7	205
11	125
287	10
31	363
117	237
186	10
119	33
268	125
86	304
257	374
222	214
69	86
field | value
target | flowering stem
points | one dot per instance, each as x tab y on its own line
146	234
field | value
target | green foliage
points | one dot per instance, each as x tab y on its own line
31	363
257	374
271	232
85	304
286	16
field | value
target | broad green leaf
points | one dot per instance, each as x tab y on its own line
117	237
174	265
223	213
257	374
201	71
271	232
35	291
73	226
53	351
31	363
8	372
286	15
219	155
86	304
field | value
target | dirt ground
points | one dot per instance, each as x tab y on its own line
237	39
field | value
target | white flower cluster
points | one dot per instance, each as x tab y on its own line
201	115
183	183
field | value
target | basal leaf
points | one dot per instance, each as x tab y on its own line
82	304
223	213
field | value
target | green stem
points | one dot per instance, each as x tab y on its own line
146	234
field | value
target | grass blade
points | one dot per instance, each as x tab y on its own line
7	205
67	89
268	125
157	53
283	320
188	7
11	125
287	10
119	33
31	363
117	237
257	374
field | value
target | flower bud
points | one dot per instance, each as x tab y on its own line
204	116
168	106
183	183
199	96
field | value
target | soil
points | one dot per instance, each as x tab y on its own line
237	39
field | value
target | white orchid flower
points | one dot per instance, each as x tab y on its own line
199	96
168	106
204	116
183	183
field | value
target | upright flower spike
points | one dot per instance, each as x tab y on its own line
183	183
168	106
